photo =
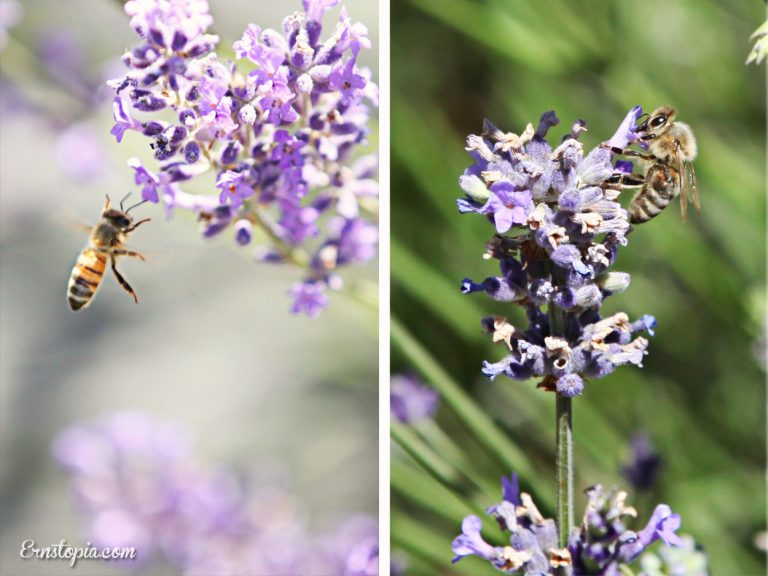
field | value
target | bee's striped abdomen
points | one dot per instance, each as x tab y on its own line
648	204
86	277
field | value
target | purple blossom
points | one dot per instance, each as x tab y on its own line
123	121
287	150
627	130
347	82
357	242
308	298
148	181
507	206
233	188
410	400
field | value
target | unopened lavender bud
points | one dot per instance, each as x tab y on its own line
613	281
179	41
153	128
474	187
243	232
192	152
176	134
588	296
229	155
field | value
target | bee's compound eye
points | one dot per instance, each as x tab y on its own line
658	121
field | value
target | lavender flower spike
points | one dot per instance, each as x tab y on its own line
558	228
280	134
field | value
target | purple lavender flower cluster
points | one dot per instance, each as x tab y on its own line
280	129
135	480
558	226
601	545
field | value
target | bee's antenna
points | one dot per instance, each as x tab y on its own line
123	200
134	206
642	125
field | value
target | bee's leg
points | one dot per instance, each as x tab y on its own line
627	180
627	152
131	253
106	204
134	226
122	281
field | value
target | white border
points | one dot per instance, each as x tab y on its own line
384	280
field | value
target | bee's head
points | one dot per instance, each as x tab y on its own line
118	218
659	120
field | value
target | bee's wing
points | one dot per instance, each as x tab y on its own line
692	183
67	219
682	176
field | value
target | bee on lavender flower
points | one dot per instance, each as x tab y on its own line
671	152
105	242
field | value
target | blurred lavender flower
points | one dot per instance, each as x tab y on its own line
79	152
137	484
642	468
410	400
601	545
760	49
686	560
558	227
279	129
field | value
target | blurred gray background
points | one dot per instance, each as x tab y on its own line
212	344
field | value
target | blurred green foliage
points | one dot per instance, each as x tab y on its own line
701	395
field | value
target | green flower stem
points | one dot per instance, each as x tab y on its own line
563	444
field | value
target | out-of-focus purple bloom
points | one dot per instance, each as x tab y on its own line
281	127
357	242
642	468
79	152
136	483
558	227
308	298
410	400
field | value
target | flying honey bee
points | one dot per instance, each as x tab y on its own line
106	242
671	151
